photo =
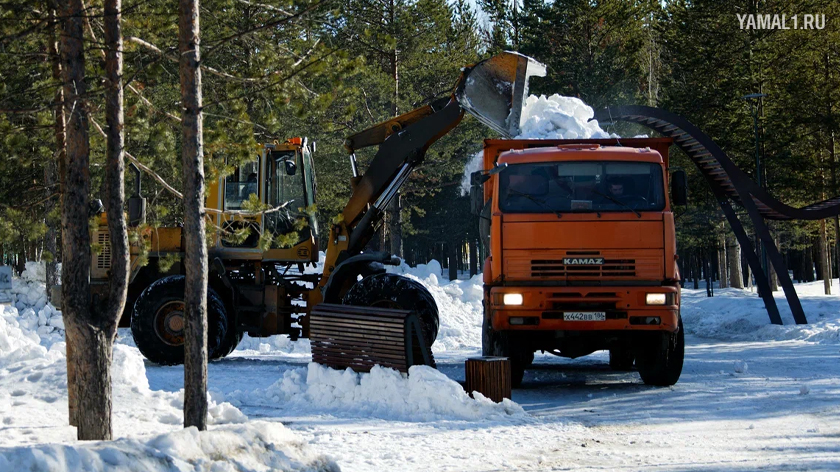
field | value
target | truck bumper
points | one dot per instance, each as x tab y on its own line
624	308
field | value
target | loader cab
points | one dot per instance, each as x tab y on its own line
280	182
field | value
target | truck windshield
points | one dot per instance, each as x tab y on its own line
552	187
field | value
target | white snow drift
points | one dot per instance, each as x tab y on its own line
425	394
257	446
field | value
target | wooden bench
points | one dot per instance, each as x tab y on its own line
360	337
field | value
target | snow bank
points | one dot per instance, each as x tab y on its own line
425	394
553	117
33	388
33	310
279	344
459	305
257	446
735	314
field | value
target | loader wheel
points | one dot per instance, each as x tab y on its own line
158	323
501	344
396	291
621	359
662	365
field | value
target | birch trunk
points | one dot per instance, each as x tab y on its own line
825	262
733	253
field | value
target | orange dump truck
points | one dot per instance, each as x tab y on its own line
582	252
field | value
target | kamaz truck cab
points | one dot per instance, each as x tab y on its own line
582	253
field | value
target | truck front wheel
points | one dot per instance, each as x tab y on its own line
158	323
661	362
501	344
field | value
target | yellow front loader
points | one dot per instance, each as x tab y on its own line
264	292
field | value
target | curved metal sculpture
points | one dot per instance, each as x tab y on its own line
731	184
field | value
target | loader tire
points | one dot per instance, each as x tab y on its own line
621	359
233	337
662	365
396	291
158	320
502	344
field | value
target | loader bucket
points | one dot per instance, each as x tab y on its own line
495	89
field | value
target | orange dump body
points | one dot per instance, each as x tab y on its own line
578	261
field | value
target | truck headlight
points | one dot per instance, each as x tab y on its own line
512	299
655	299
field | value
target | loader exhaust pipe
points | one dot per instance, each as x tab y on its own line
136	203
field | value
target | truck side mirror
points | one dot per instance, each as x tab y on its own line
679	188
477	180
476	199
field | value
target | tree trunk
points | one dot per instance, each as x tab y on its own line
51	236
696	272
723	262
61	156
394	226
808	264
195	250
771	271
453	261
473	257
733	252
82	357
825	274
394	208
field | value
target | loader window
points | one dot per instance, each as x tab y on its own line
240	185
286	190
581	187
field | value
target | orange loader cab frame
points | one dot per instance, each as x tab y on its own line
574	279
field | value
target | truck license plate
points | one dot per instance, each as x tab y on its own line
584	316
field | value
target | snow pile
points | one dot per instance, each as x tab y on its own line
258	446
459	305
558	117
33	388
735	314
425	394
554	117
279	344
34	311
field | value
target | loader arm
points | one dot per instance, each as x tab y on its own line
398	154
493	90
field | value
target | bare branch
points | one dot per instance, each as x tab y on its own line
174	58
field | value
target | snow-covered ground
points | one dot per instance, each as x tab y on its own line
751	396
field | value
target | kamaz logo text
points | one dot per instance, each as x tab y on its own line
583	260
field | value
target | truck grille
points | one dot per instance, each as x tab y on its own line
103	259
610	268
619	265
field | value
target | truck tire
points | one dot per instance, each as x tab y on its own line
621	359
157	323
396	291
500	344
662	366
